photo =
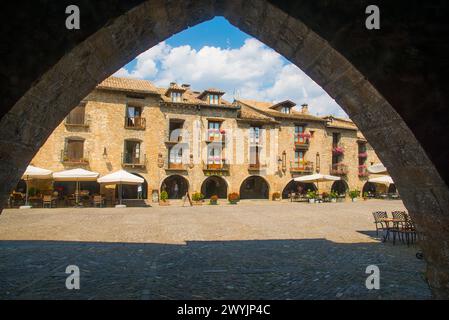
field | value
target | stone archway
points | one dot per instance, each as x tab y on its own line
254	187
341	187
295	186
214	185
176	186
59	89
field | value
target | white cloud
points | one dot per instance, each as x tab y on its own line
253	71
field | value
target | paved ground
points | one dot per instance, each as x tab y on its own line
260	250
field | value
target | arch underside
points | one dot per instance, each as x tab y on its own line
32	119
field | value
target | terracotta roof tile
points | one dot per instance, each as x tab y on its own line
128	85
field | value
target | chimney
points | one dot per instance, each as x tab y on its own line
305	108
186	86
172	84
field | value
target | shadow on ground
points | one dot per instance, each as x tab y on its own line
258	269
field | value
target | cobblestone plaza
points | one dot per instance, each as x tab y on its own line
254	250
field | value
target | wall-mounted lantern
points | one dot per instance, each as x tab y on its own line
318	164
284	161
160	160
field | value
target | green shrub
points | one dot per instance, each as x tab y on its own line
213	200
354	194
164	196
197	196
233	197
311	194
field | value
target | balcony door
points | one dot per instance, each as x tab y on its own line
133	116
132	152
77	116
299	160
75	150
299	131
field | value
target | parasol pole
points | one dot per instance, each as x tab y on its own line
26	194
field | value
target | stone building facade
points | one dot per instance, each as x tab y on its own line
180	140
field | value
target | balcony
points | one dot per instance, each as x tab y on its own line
301	167
68	160
339	169
130	160
302	141
216	135
77	121
215	167
256	166
135	123
176	166
172	140
338	149
363	171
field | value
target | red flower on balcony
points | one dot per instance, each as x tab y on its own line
304	135
363	155
338	150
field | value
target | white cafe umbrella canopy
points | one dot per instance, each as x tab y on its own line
317	177
377	168
76	175
387	180
121	177
34	173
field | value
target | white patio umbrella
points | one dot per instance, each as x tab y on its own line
34	173
377	168
76	175
386	180
317	177
121	177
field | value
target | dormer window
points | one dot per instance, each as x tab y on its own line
214	98
286	110
176	96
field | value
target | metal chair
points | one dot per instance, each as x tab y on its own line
378	220
47	201
98	201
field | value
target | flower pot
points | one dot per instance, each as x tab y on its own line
311	200
334	200
197	203
354	199
213	203
232	202
164	203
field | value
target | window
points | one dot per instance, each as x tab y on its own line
77	116
74	150
175	155
286	110
175	130
176	96
299	159
214	155
213	131
254	135
132	152
134	117
254	156
214	99
299	134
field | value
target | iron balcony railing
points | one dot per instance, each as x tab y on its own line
137	123
301	166
216	166
68	159
339	169
134	160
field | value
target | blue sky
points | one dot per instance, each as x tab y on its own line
216	54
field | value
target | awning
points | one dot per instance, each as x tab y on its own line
377	168
120	177
317	178
75	175
387	180
36	173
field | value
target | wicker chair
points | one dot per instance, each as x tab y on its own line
378	220
47	201
98	201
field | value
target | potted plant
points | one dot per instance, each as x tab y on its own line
354	194
311	195
325	196
276	196
164	199
365	196
233	198
333	196
197	198
213	200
